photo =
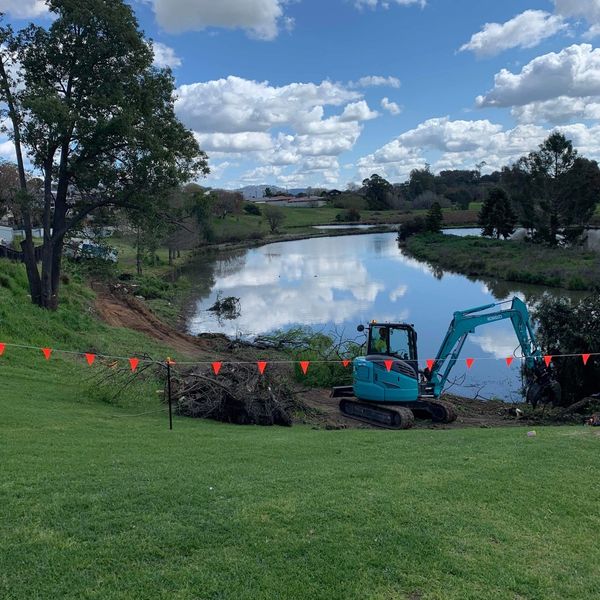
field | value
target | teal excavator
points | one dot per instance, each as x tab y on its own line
389	390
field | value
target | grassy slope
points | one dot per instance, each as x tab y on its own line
97	505
100	504
571	268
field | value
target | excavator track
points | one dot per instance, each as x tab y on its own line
387	417
441	411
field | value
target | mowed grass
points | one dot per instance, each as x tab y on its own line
100	504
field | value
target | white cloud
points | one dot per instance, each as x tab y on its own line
573	72
245	141
589	9
164	56
459	144
559	110
260	18
24	9
391	107
376	81
7	150
358	111
526	30
235	104
282	127
386	3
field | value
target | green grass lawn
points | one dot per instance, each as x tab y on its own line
100	500
97	504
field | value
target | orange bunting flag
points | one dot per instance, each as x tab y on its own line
90	358
216	366
388	364
547	360
2	346
470	362
262	365
304	365
345	362
133	363
585	357
509	361
47	352
430	363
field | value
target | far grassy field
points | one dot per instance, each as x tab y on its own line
571	268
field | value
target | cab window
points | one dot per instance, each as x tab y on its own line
399	343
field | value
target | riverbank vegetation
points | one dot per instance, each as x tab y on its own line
571	268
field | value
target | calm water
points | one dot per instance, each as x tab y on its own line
338	282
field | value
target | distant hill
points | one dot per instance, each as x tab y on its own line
251	192
258	191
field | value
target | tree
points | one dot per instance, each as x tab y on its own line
225	202
268	192
435	218
570	327
274	216
96	119
496	217
541	186
377	191
421	181
579	192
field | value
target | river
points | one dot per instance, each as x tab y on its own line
335	283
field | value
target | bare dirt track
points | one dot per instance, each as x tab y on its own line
471	413
118	309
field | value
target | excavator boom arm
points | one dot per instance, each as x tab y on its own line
465	322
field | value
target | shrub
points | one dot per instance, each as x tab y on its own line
251	208
411	227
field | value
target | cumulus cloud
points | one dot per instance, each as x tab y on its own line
24	9
459	144
235	104
589	9
260	18
358	111
283	126
391	107
559	110
246	141
573	72
526	30
376	81
164	56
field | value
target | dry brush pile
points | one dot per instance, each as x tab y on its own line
238	394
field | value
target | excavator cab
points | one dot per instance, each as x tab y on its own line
390	370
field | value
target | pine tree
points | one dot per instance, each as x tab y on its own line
435	218
497	217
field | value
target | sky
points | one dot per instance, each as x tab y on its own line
301	93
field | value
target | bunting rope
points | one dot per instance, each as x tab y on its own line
135	361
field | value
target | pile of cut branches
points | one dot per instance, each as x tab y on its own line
239	394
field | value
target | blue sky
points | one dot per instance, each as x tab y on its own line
309	92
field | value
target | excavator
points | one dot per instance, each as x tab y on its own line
389	390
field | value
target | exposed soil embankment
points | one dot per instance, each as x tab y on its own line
120	309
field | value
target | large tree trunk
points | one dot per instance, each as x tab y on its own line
33	276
